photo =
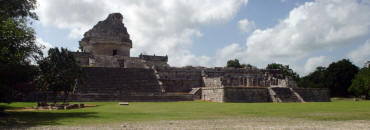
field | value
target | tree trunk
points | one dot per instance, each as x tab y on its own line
65	97
55	98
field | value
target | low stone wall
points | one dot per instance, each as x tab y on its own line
214	94
314	94
120	81
179	79
180	85
212	81
244	94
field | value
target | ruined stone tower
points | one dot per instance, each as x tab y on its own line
114	75
108	37
108	44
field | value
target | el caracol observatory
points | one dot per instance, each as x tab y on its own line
113	75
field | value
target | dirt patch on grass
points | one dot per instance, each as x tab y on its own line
235	123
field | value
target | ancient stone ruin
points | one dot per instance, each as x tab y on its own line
113	75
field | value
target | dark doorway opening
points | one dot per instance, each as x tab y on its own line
114	52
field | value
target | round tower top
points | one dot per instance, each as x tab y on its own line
109	31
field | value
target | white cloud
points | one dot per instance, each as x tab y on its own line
156	26
360	55
314	62
229	52
246	26
309	28
45	45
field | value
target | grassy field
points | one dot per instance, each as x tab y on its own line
111	112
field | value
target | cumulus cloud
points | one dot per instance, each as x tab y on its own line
314	62
156	26
361	55
246	26
233	51
311	27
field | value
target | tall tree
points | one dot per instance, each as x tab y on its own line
233	63
315	79
59	73
285	69
17	45
361	83
339	76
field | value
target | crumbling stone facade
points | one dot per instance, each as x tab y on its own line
113	75
108	44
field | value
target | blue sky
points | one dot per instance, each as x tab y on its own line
302	34
265	13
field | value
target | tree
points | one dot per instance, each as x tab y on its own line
339	76
59	73
233	63
17	45
18	8
285	70
361	83
315	79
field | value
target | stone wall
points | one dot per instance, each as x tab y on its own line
106	61
120	81
214	94
134	62
243	77
212	81
243	94
314	94
82	58
179	79
235	94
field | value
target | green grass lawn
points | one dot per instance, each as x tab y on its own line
111	112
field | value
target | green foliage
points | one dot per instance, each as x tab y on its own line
233	63
17	8
59	72
361	83
339	76
285	69
315	79
17	46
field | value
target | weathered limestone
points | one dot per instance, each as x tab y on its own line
108	44
108	37
214	94
259	94
245	78
314	94
113	75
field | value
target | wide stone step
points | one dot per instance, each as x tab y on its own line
285	94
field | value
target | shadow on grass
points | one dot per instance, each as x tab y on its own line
24	119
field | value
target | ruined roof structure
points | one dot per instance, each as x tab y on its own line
110	30
107	38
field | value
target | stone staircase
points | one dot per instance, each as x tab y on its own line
283	94
273	95
194	91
